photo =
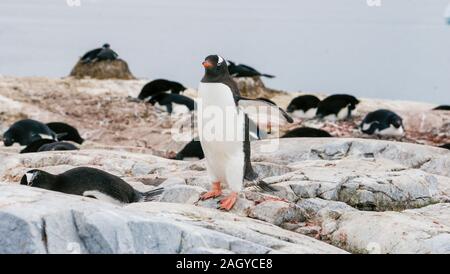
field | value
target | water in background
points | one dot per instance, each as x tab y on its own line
398	50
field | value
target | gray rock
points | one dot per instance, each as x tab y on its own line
38	221
182	194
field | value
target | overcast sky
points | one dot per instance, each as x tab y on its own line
399	50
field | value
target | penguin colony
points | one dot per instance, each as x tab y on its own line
228	161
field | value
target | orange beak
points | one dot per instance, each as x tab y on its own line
207	64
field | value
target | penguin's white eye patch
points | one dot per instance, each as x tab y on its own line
30	177
220	60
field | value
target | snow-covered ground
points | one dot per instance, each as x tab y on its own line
398	50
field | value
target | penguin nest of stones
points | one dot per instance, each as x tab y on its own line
109	69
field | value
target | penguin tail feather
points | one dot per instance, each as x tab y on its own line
260	184
150	195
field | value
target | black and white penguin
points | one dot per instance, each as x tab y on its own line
34	146
66	132
159	86
303	106
383	122
88	182
337	107
57	146
224	133
107	54
26	131
193	149
244	71
442	107
99	54
174	103
446	146
306	132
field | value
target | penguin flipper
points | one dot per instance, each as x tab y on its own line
248	102
268	75
150	195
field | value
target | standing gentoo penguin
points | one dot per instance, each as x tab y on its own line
303	106
26	131
183	103
244	71
158	86
224	133
383	122
66	132
337	107
88	182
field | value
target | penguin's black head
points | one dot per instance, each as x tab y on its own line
215	65
177	88
38	178
396	122
106	46
8	139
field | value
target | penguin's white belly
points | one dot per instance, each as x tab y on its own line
341	115
391	131
310	113
221	131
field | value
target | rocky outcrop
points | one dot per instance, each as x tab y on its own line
40	221
344	192
109	69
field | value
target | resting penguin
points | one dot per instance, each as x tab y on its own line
159	86
383	122
57	146
26	131
66	132
103	53
88	182
224	133
442	107
34	146
337	107
244	71
306	132
303	106
168	100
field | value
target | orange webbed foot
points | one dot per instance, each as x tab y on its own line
228	202
216	191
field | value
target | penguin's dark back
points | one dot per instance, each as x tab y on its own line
325	108
158	86
303	102
57	146
78	180
26	131
35	145
306	132
69	133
